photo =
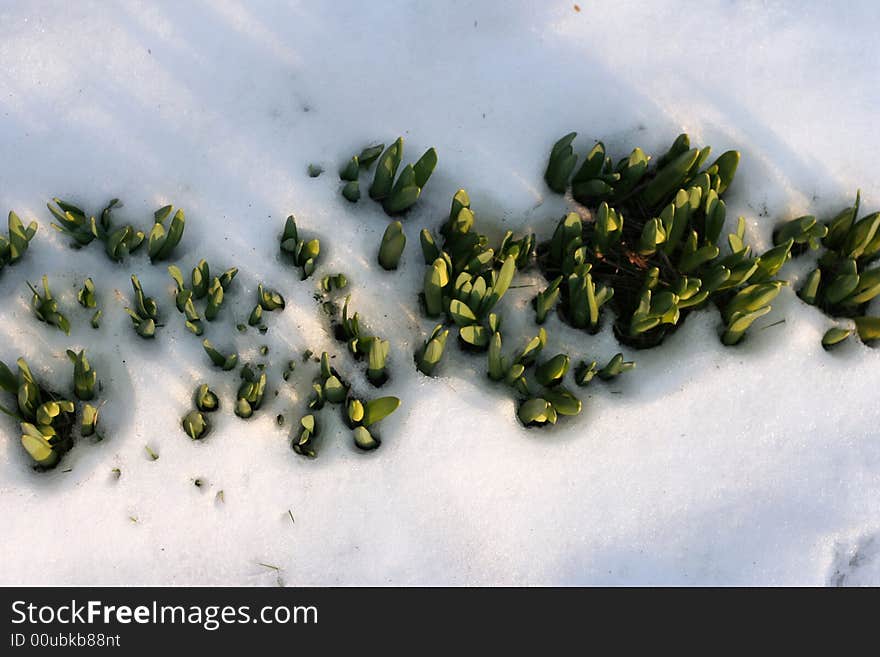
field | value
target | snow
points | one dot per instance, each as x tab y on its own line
706	465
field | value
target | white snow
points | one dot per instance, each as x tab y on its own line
706	465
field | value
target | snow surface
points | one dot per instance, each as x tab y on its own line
706	465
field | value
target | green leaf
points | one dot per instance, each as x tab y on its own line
351	170
461	313
810	288
536	411
669	178
386	170
393	243
36	445
727	164
425	167
352	191
369	155
835	336
205	399
195	425
377	409
561	164
475	335
563	401
868	328
89	422
551	372
364	440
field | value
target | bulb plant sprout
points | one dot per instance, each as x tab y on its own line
45	307
162	240
205	399
303	444
397	193
835	336
615	367
304	254
16	243
363	345
202	282
350	173
250	391
84	377
466	279
430	354
220	360
360	415
391	248
89	421
329	387
194	423
46	420
202	286
585	372
333	282
267	299
377	357
145	311
86	296
73	221
183	300
652	252
846	279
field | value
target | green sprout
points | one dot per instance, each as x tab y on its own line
303	253
45	307
393	242
303	444
86	296
73	221
84	377
162	241
46	421
220	360
250	392
195	425
401	194
145	311
334	282
615	367
430	354
13	247
205	399
360	415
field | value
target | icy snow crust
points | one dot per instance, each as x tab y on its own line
706	465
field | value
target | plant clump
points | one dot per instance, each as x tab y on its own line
268	300
651	251
145	311
118	241
47	421
846	278
466	277
396	193
251	391
203	286
363	345
45	307
195	423
18	239
303	253
162	240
